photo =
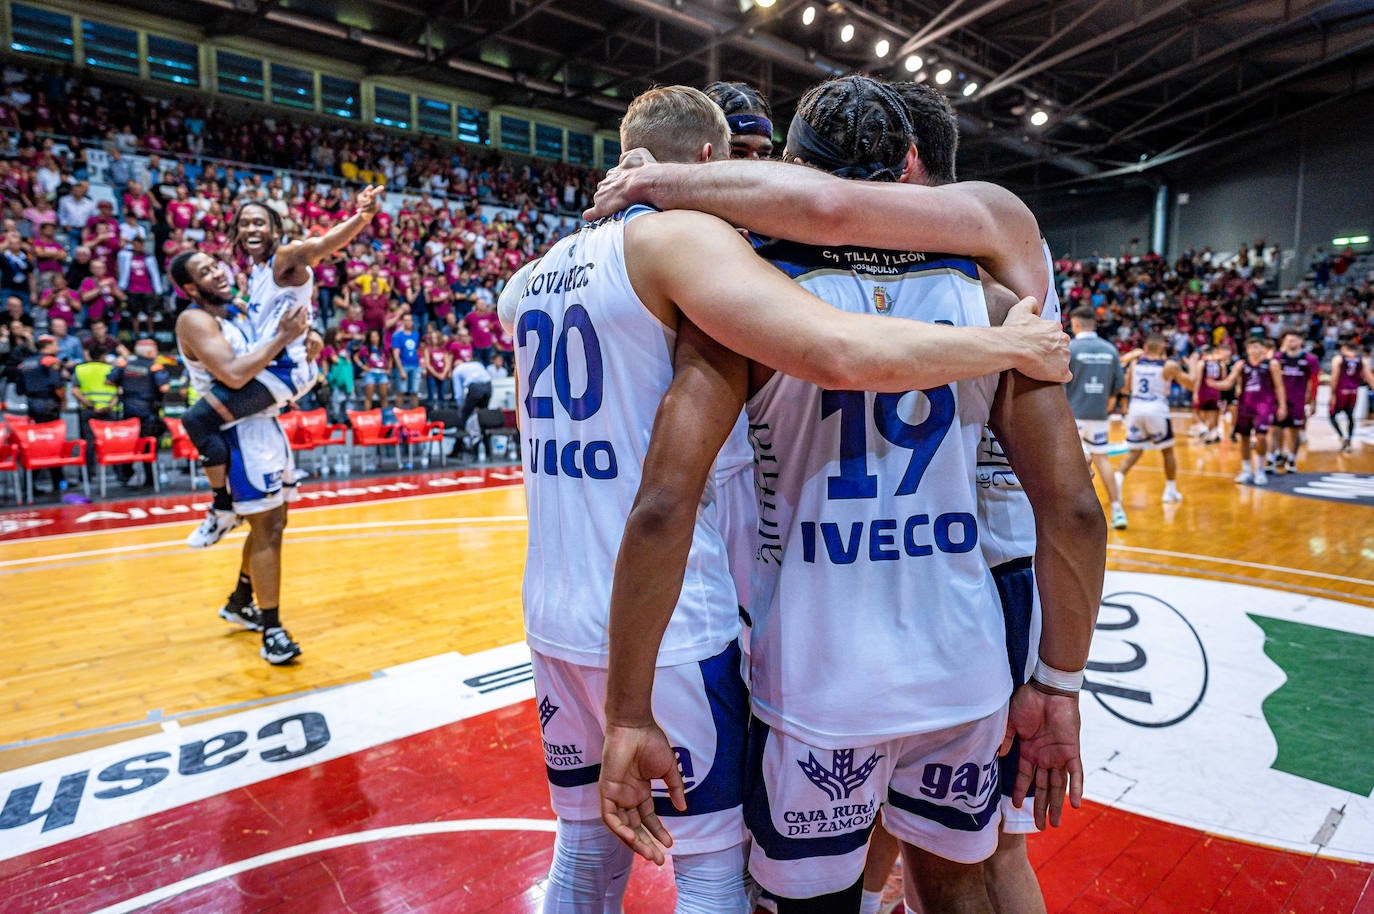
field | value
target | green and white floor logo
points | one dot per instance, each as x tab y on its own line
1238	710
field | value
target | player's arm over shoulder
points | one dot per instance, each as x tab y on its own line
698	263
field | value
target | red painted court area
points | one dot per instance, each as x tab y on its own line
490	767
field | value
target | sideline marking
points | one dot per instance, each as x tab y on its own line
329	528
302	505
326	844
1237	562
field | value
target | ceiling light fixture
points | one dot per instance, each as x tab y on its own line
944	75
808	15
882	47
969	89
1039	119
914	63
847	32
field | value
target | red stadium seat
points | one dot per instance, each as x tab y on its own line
118	443
313	425
416	429
370	431
44	445
291	426
183	449
9	458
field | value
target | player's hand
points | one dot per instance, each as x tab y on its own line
631	757
294	322
1048	726
369	202
1282	413
621	187
1044	343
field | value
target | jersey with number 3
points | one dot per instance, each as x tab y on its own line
875	614
593	363
1149	389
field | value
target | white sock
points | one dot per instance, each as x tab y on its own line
586	860
872	901
712	883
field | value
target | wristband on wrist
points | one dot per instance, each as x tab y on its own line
1057	679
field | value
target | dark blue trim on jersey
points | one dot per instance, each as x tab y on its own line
728	698
758	818
948	816
1016	588
574	777
635	209
796	259
240	486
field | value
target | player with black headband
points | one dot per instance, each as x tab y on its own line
282	277
749	117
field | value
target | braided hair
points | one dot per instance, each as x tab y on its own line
273	218
934	127
853	127
738	98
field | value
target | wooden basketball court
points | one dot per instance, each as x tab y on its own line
149	760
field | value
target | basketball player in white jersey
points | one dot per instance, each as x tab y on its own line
1148	426
218	351
831	675
282	277
595	329
1006	523
751	137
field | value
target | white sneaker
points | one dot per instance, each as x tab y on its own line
1260	478
1246	477
213	528
1118	518
1172	496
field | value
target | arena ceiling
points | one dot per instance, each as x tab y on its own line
1127	87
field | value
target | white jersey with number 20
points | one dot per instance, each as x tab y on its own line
593	363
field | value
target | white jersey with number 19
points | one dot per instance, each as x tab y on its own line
593	363
875	615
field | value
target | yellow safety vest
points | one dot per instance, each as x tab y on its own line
91	379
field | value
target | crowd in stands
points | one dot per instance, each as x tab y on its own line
412	301
1204	298
403	308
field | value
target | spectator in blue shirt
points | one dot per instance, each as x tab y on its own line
405	360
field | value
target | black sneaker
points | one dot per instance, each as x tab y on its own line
250	617
278	648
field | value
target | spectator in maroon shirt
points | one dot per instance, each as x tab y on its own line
139	202
61	302
101	296
438	365
482	324
50	256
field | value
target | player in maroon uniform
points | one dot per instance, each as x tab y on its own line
1349	369
1206	399
1262	400
1300	370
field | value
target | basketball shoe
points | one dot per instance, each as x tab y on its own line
278	648
213	528
247	616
